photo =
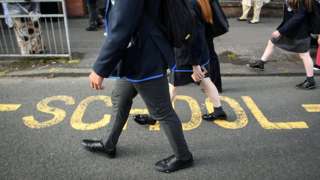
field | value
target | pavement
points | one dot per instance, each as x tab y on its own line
272	132
244	43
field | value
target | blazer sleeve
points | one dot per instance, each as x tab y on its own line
293	22
197	41
125	18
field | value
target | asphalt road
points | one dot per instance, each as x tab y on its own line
273	132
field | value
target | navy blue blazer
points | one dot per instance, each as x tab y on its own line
295	23
135	47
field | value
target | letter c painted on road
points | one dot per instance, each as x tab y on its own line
76	119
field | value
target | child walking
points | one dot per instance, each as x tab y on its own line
192	65
292	35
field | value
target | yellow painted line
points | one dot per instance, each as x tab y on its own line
240	122
194	107
265	123
9	107
311	107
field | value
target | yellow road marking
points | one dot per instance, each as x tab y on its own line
76	119
265	123
195	120
9	107
311	107
42	106
240	122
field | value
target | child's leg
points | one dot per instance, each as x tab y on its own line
211	91
268	51
308	63
309	83
259	65
173	91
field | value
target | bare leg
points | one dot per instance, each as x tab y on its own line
308	63
268	51
211	91
173	91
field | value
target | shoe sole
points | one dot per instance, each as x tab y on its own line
220	118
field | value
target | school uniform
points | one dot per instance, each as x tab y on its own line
294	30
137	51
135	48
195	53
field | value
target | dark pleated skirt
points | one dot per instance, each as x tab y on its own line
182	75
292	45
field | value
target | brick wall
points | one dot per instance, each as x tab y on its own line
76	8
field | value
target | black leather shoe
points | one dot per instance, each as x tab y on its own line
213	116
97	146
171	164
144	119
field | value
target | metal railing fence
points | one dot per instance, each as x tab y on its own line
52	29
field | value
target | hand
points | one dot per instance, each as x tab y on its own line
96	81
197	75
276	34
